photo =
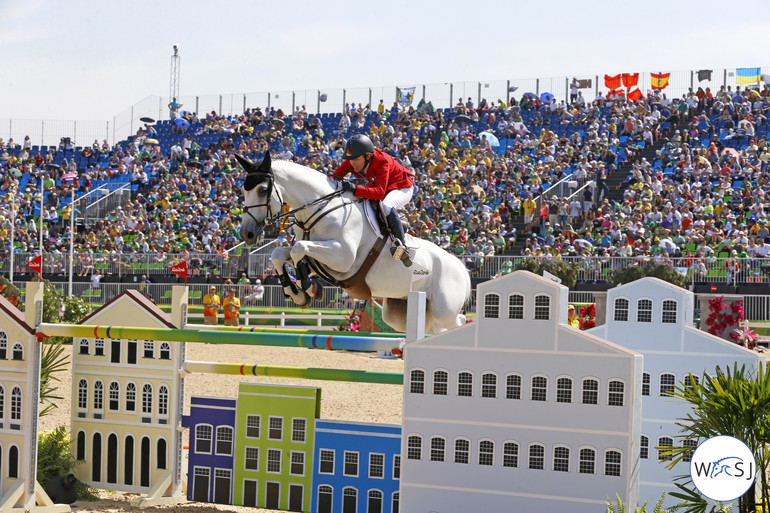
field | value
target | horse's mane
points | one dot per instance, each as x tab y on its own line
293	171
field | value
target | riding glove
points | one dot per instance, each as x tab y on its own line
348	187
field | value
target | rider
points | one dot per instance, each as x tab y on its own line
388	181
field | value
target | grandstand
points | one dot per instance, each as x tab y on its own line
681	180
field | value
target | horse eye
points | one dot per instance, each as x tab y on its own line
262	189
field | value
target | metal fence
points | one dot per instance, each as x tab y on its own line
441	95
202	266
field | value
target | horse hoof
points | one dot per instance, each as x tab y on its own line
316	292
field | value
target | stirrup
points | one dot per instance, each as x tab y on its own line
400	252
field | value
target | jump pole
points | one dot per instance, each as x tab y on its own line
275	371
325	341
295	331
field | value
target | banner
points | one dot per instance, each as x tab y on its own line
36	264
406	95
704	74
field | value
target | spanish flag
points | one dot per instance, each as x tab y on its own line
659	80
747	75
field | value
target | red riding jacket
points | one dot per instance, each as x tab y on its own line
384	173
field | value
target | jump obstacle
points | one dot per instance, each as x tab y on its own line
281	337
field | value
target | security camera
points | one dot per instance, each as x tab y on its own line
176	49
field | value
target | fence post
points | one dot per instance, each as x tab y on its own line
268	99
451	92
566	89
246	318
283	319
344	97
220	105
293	104
244	103
597	87
537	87
197	110
320	318
478	99
370	97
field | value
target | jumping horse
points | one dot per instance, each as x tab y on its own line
337	241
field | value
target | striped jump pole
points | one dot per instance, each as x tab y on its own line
277	371
326	341
295	331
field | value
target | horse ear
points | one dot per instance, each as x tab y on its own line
266	165
245	163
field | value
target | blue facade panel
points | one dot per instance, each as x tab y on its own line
212	448
355	461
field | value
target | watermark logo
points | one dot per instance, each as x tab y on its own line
723	468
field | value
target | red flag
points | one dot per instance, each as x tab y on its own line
713	288
612	83
630	80
36	264
659	80
180	270
634	95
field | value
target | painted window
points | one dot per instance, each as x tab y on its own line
664	444
465	384
326	461
130	397
274	461
489	385
690	381
462	450
298	430
564	390
2	402
492	306
437	448
668	312
539	388
165	351
617	391
417	382
149	349
691	444
536	457
147	398
251	459
510	454
646	383
396	466
203	434
82	394
297	467
414	447
561	459
98	395
612	463
440	382
394	503
486	452
85	346
667	382
542	307
252	426
621	310
275	428
374	502
15	404
376	465
325	496
513	386
3	345
99	347
163	400
224	444
114	396
587	463
515	306
18	351
644	310
350	467
349	499
644	448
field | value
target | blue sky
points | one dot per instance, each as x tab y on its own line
91	60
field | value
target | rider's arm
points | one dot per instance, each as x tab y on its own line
343	170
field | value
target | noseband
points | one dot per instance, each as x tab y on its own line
270	218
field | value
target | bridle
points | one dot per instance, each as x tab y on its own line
276	218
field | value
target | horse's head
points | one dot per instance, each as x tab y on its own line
261	204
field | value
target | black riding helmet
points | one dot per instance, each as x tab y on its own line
358	145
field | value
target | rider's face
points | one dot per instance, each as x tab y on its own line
358	163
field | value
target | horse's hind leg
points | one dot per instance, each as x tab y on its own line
394	314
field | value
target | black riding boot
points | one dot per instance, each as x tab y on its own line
398	249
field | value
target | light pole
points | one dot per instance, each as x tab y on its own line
72	235
12	192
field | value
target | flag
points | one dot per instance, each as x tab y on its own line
659	80
704	74
713	288
634	95
406	95
748	75
180	270
612	82
586	83
630	80
36	264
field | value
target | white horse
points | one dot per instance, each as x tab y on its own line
331	229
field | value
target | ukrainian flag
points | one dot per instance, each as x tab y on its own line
748	75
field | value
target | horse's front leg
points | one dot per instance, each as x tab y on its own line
281	257
330	254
